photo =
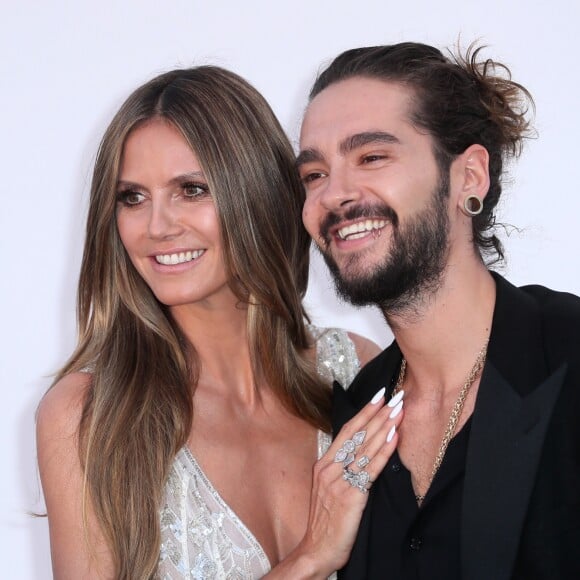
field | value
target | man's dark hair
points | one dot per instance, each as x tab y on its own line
459	101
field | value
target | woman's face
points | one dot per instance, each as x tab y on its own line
167	219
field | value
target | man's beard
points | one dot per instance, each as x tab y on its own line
412	269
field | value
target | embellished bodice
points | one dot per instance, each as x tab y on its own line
201	536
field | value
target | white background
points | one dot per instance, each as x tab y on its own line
65	67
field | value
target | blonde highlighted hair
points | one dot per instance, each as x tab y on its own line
138	412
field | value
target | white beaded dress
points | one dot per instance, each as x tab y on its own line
201	536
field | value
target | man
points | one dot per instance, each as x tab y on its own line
402	151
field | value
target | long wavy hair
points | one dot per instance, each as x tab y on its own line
138	411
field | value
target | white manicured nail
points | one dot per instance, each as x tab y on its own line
395	400
396	410
391	434
378	396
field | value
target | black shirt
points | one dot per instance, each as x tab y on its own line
408	542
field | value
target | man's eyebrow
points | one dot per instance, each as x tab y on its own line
368	137
349	144
308	156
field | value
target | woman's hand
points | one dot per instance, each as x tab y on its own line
339	492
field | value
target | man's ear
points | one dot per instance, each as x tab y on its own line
471	174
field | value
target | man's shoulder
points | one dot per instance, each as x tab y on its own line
559	315
560	311
554	303
549	304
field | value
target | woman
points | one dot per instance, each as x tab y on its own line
192	411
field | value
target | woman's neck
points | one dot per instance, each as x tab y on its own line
218	333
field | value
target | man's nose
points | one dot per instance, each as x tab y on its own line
340	190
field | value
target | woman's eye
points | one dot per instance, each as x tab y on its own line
130	198
194	190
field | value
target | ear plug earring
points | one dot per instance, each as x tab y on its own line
472	205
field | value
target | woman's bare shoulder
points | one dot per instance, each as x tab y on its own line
78	550
60	409
365	348
57	422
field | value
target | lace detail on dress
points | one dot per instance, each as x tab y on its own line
201	536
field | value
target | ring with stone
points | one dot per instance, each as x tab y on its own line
363	461
349	446
360	480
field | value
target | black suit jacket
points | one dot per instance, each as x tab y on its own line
521	499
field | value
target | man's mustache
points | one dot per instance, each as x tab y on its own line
353	213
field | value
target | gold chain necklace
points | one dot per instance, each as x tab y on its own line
455	412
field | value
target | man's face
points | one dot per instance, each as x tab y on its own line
376	203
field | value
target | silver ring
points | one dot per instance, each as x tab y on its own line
347	449
360	480
363	461
350	476
348	460
363	478
359	437
346	453
343	456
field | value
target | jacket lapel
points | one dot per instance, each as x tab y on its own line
514	406
504	451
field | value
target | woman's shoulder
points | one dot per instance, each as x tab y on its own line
60	409
61	474
340	353
65	397
365	348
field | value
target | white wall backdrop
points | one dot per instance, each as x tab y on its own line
66	66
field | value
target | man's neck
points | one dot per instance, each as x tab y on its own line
442	335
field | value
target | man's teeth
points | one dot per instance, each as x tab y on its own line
172	259
360	229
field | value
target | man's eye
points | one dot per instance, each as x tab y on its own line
130	198
310	177
372	158
194	190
